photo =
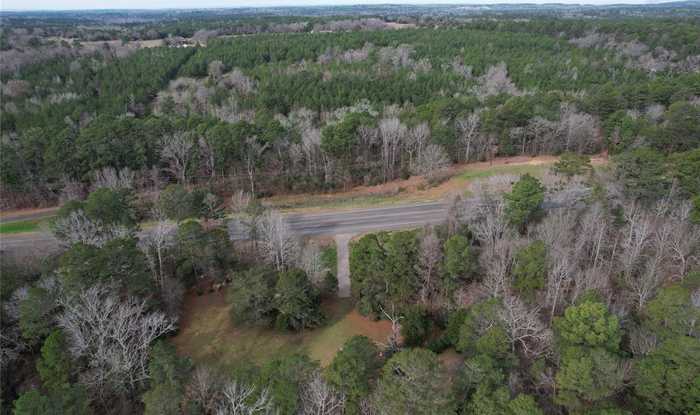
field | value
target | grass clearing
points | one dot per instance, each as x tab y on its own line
21	226
208	336
519	169
374	200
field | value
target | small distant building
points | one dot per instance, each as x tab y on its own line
179	42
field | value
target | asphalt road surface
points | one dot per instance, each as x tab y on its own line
364	220
304	224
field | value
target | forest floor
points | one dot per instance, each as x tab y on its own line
208	336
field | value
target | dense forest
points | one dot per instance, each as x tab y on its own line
574	291
319	111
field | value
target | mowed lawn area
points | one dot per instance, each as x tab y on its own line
208	336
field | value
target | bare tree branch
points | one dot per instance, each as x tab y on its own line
318	398
112	336
176	153
239	399
524	326
78	228
280	246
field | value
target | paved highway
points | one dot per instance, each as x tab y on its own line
305	224
363	220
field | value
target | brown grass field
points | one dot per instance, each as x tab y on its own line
208	336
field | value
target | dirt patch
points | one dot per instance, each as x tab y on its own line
377	330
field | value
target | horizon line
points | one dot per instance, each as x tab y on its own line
642	3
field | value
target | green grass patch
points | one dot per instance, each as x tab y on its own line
21	226
533	169
344	202
209	337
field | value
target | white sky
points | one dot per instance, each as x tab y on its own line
175	4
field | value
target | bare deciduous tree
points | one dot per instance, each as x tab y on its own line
496	81
498	261
431	161
368	407
236	79
240	201
11	342
468	130
416	140
577	129
311	146
484	213
318	398
176	153
240	399
395	336
208	158
155	242
114	179
310	261
684	241
595	279
643	284
280	246
71	190
397	57
252	157
112	336
429	259
592	245
568	195
524	326
11	345
78	228
558	281
557	231
204	387
637	237
215	69
391	131
542	137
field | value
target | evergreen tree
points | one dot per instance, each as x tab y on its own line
412	381
524	202
353	371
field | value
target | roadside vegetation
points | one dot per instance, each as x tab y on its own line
20	226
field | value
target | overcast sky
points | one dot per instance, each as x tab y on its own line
175	4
